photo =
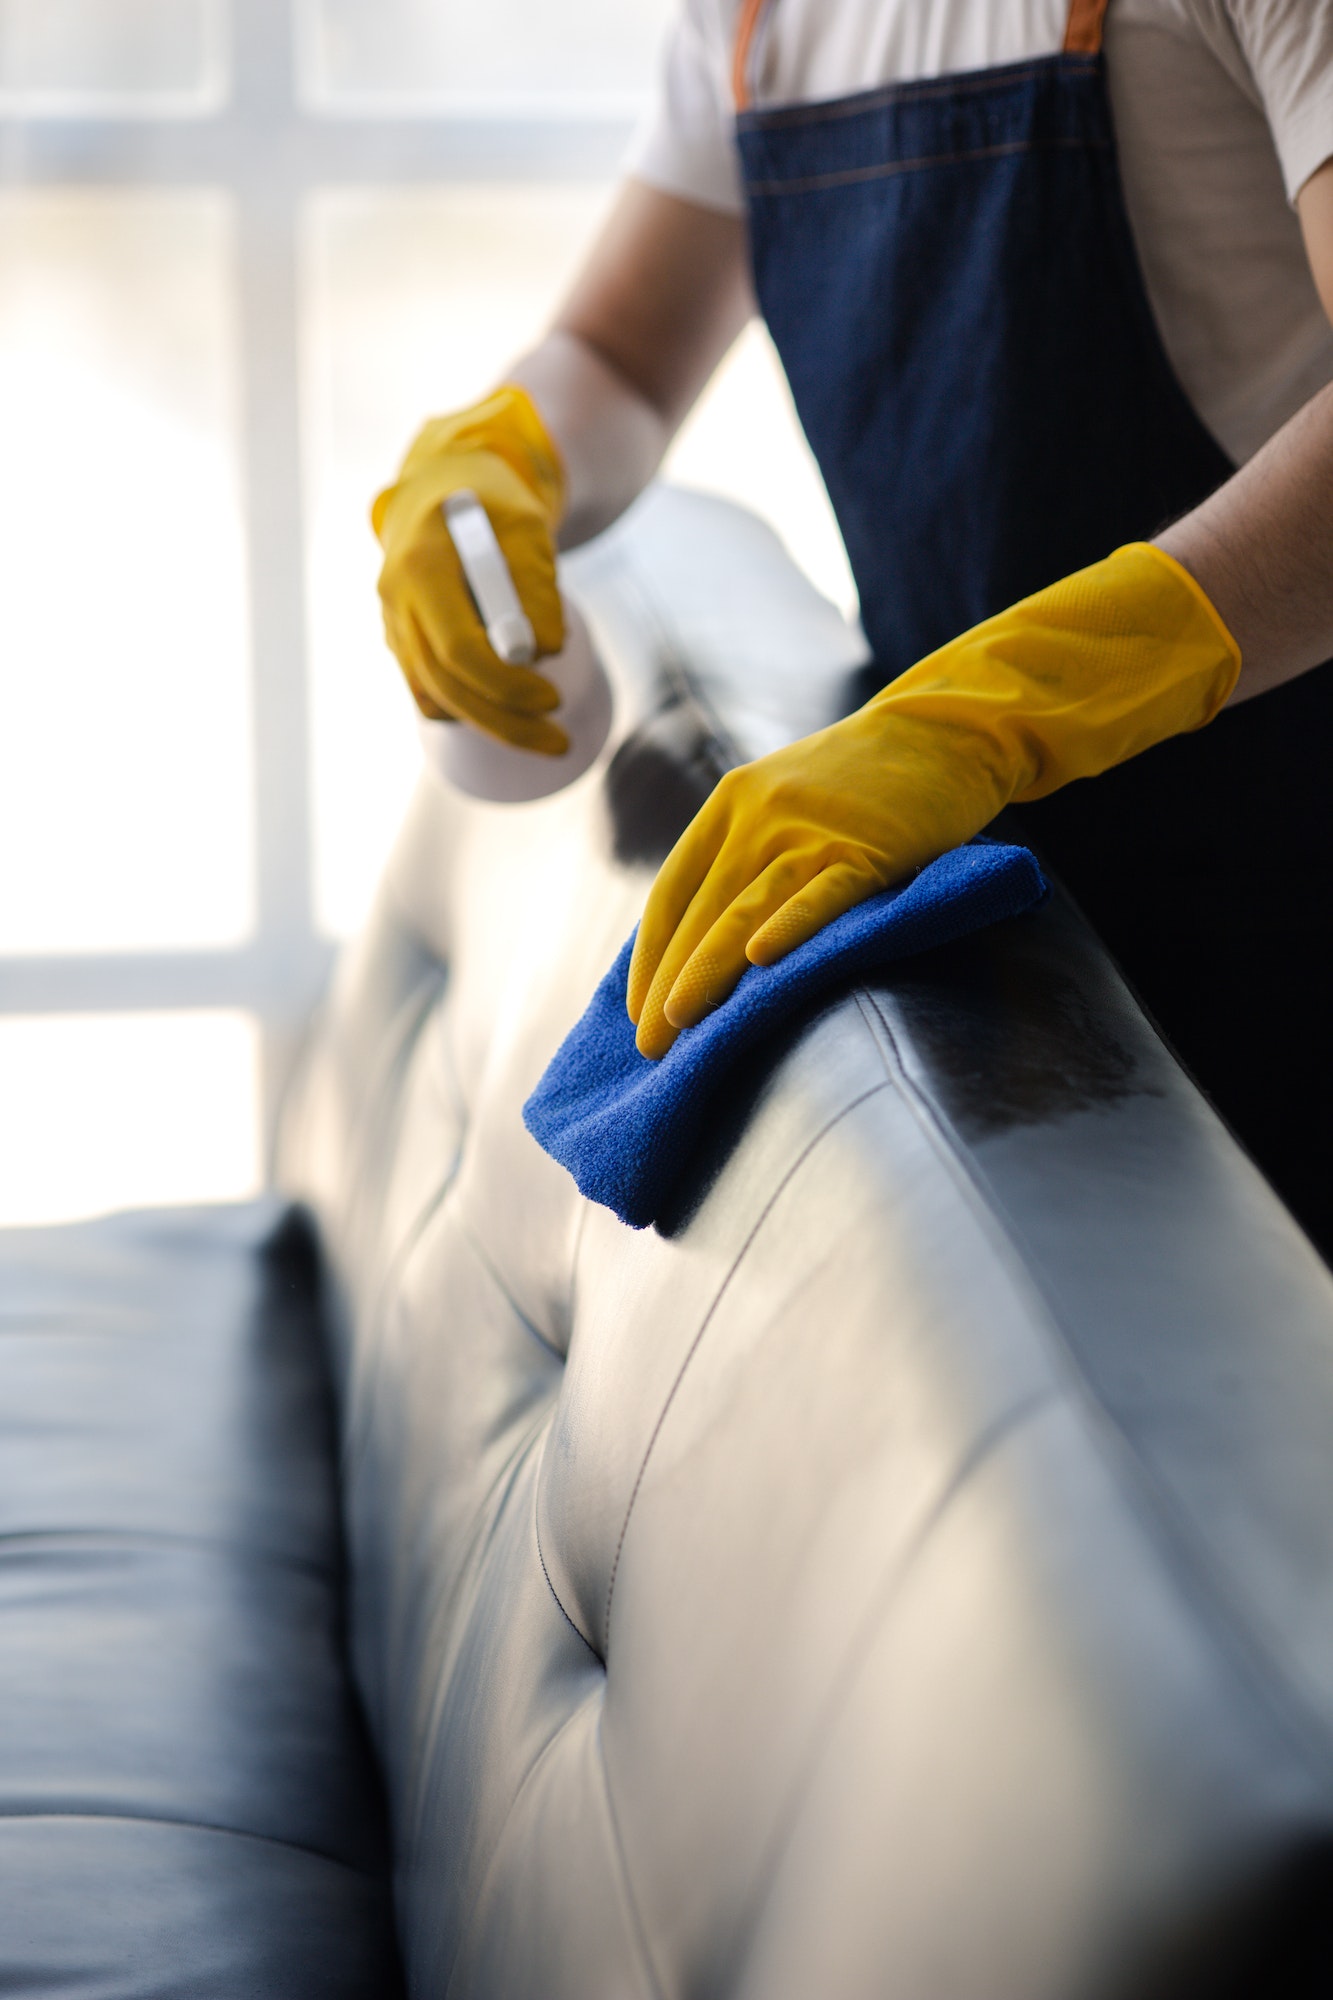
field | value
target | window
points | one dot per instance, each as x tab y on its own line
244	249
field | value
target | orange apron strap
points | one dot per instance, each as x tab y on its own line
1083	30
746	28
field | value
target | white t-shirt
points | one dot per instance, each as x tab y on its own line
1223	110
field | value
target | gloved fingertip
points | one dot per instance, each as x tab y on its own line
548	628
682	1018
785	929
654	1043
699	987
762	950
637	983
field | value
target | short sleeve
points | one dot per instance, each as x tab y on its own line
686	145
1288	48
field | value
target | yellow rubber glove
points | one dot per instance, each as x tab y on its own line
1085	674
499	448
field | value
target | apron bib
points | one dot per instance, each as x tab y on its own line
948	273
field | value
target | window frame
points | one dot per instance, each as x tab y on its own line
261	143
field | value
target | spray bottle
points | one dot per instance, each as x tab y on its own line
479	764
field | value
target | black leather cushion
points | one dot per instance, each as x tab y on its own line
187	1802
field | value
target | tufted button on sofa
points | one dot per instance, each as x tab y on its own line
908	1572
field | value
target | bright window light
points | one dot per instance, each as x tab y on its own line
577	58
125	762
112	58
126	1111
415	301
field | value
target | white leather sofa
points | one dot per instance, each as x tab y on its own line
907	1574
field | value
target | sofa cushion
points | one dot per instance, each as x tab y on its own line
187	1800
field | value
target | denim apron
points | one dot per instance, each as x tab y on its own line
947	270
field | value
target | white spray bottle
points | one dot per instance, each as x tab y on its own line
479	764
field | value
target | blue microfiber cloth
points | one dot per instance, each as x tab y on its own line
627	1129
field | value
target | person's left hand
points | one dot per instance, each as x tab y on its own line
1064	684
785	845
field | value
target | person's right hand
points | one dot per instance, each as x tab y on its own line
500	449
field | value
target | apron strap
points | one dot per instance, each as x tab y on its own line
746	28
1083	37
1083	29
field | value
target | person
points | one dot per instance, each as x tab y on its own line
1052	285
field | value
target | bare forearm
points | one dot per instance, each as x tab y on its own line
662	296
1262	549
1262	546
609	435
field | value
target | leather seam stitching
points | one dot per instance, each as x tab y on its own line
484	1258
559	1601
714	1303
